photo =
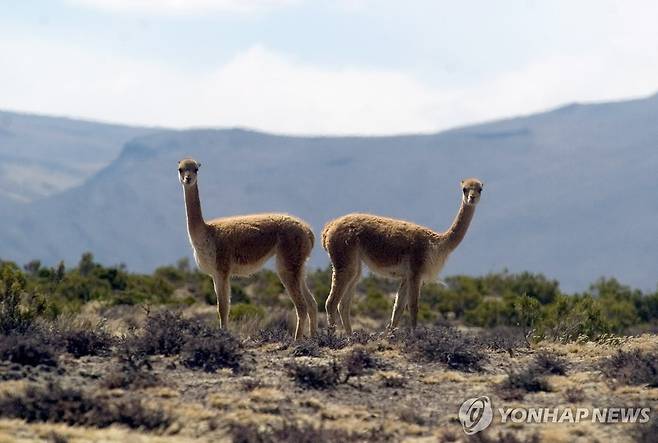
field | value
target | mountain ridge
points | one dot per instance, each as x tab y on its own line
559	187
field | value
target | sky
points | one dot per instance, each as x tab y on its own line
369	67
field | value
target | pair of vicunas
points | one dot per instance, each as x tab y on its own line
241	245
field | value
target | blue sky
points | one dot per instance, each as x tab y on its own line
321	67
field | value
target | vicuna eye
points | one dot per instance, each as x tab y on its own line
180	170
465	190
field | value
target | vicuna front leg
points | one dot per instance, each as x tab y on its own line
400	303
223	292
413	291
340	283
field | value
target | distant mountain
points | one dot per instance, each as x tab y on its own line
571	193
40	156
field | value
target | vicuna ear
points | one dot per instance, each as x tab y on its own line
461	183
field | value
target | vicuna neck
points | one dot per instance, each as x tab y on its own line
195	225
457	231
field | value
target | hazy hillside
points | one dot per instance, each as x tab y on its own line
570	193
40	156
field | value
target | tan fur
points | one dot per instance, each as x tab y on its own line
241	245
392	248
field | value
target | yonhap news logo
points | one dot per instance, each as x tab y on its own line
476	414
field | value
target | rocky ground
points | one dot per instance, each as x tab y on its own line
370	387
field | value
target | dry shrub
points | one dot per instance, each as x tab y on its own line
361	337
551	363
54	403
275	330
314	376
163	333
85	339
306	348
646	433
574	394
507	437
446	345
293	432
394	381
251	383
213	350
199	345
55	437
327	338
410	415
504	338
533	378
132	371
633	367
29	350
359	362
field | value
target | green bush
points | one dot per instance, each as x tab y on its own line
375	304
574	317
527	301
489	313
319	282
16	313
245	310
461	294
267	285
618	303
78	289
535	286
647	308
510	310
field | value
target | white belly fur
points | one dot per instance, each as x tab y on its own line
402	269
245	270
396	271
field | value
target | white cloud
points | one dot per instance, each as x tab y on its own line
177	7
270	91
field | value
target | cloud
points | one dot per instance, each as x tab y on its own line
183	7
262	89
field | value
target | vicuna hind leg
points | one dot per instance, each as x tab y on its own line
291	277
345	304
312	307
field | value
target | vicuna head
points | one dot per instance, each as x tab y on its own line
187	171
471	189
